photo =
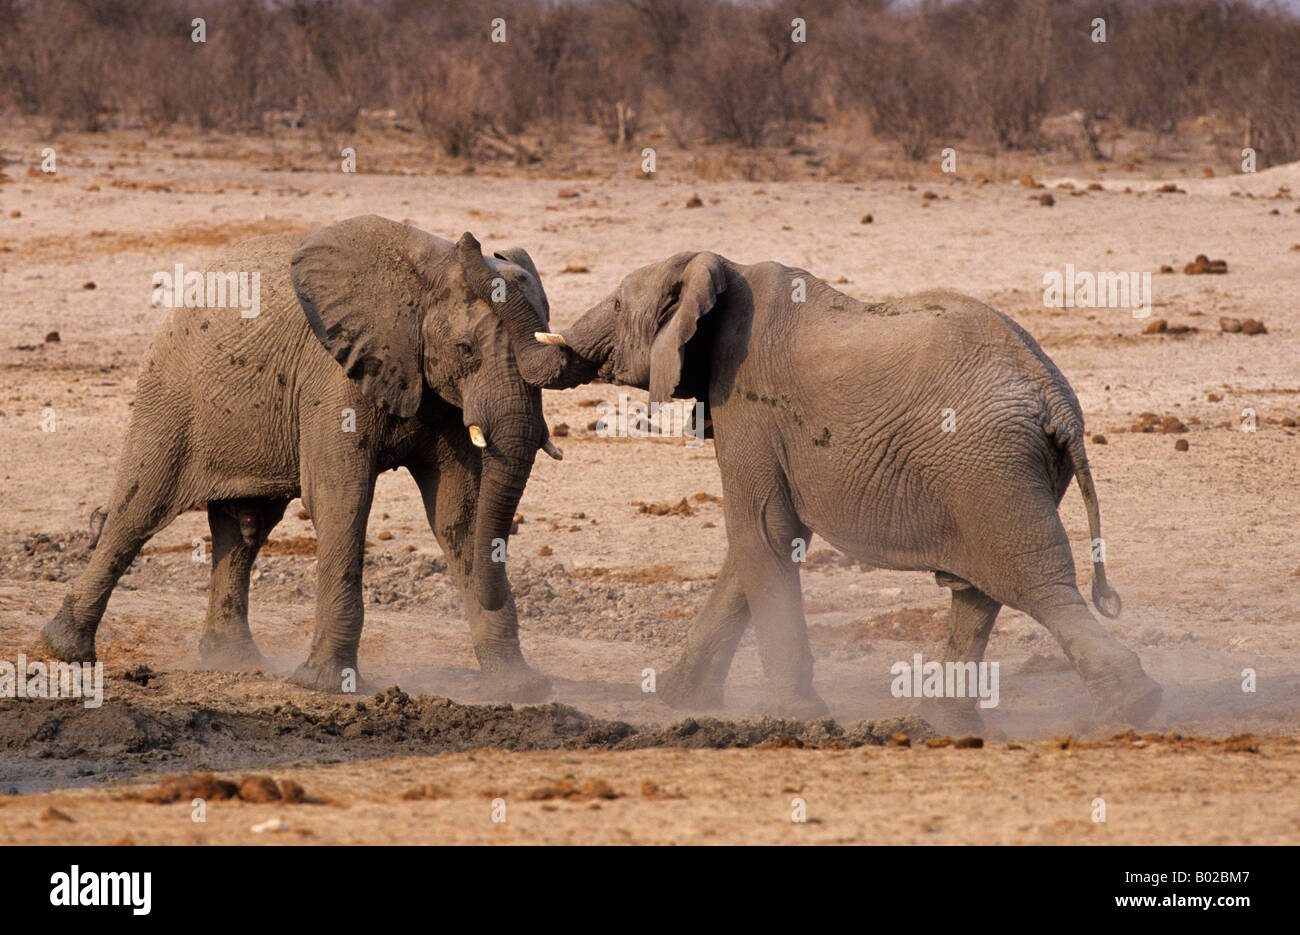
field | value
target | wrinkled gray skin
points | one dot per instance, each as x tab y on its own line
828	418
244	414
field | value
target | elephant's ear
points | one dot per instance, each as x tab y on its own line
360	284
702	280
519	256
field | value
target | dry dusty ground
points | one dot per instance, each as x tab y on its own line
1202	543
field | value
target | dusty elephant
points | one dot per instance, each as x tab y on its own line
244	412
829	416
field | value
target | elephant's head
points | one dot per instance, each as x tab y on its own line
640	335
406	314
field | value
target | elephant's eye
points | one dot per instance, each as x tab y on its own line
465	350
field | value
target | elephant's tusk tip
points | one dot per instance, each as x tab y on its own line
477	437
549	447
554	339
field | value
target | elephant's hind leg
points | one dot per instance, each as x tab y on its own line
136	513
1037	577
970	623
696	680
239	529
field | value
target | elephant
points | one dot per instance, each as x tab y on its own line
375	346
829	416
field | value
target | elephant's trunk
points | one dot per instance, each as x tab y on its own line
507	461
539	364
591	340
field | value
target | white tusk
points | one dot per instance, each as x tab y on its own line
554	339
476	436
548	446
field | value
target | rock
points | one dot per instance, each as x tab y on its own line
53	814
1171	425
1253	326
1156	326
1214	397
560	430
1229	325
867	219
1166	268
545	551
1181	445
274	825
52	337
1046	200
969	743
385	536
88	285
695	202
1099	440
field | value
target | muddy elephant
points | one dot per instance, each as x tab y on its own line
374	346
930	433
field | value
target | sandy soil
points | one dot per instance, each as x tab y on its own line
1201	543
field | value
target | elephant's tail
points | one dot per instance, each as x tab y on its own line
1104	596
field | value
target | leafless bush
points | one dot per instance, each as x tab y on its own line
728	70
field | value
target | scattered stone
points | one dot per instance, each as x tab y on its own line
899	740
695	202
272	825
258	789
53	814
934	743
291	792
575	268
1166	268
1241	743
1156	326
1046	200
1181	445
140	675
1253	326
52	337
89	285
969	743
1214	397
866	219
1204	265
545	550
1229	325
385	536
1099	440
560	430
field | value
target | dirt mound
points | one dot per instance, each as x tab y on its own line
140	728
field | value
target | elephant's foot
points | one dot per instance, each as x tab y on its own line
517	682
330	676
676	689
804	707
1131	700
66	639
955	717
229	652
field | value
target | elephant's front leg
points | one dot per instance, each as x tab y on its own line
450	489
696	680
969	627
338	499
762	528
